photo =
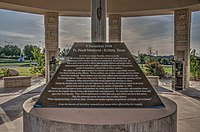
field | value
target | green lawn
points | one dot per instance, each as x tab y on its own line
12	62
7	60
22	67
167	68
23	71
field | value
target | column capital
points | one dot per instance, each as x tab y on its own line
114	19
182	15
51	17
114	27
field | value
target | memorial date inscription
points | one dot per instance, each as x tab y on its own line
99	75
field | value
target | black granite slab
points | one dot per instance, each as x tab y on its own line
103	75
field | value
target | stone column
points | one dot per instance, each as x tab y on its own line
182	24
98	27
114	28
51	39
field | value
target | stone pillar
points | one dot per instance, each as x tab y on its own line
182	24
51	39
98	27
114	28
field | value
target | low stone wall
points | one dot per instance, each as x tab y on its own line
100	119
17	81
153	80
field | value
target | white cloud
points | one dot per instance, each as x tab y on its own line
137	32
15	34
74	29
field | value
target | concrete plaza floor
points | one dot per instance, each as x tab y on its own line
188	102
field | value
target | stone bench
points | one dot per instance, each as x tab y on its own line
153	80
17	81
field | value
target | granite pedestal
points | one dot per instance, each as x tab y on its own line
100	119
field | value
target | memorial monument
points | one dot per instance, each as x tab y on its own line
99	87
99	74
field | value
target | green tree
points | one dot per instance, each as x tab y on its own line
28	51
194	64
164	61
155	69
11	50
38	61
16	51
142	58
151	53
1	51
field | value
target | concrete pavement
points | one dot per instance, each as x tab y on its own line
188	102
11	101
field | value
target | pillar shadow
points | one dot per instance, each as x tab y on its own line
13	108
191	92
161	90
11	90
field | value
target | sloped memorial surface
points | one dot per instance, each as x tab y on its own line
99	75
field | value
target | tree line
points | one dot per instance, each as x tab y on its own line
10	51
153	64
145	58
13	51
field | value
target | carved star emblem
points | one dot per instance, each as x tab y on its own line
115	21
181	16
52	19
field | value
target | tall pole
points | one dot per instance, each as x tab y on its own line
98	24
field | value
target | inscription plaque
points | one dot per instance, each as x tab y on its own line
99	75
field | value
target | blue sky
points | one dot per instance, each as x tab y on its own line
137	32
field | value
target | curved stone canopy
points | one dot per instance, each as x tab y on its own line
125	8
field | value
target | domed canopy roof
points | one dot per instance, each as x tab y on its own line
82	7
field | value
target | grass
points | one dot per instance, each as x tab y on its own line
167	68
24	71
22	67
12	62
7	60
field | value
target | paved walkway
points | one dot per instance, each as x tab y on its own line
11	101
188	102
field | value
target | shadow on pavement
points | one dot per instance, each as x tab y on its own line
191	92
11	90
13	107
160	89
